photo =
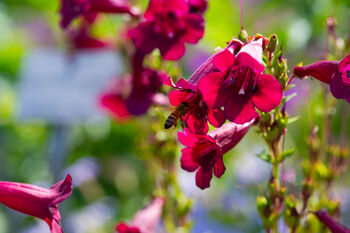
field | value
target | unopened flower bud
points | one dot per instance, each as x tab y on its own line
273	42
243	35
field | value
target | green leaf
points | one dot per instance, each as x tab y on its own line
288	153
265	156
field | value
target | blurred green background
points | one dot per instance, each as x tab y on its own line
107	158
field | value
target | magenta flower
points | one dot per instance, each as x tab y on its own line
239	85
145	220
35	201
334	73
144	89
71	9
331	224
204	153
168	25
198	113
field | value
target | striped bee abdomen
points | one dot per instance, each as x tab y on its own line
175	115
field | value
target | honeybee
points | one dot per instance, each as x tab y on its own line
172	119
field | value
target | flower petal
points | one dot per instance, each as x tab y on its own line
337	86
240	109
219	168
194	28
176	97
211	88
216	117
251	55
172	49
223	60
197	122
203	178
143	37
344	62
187	162
268	94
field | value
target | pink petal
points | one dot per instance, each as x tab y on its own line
211	88
228	135
172	49
206	68
321	70
187	138
147	218
113	6
184	84
176	97
344	62
203	178
187	162
224	60
239	109
115	106
216	117
197	122
268	94
219	167
251	55
194	28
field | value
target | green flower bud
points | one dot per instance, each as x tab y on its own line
273	42
243	35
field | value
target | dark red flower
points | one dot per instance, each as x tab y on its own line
198	113
332	225
239	85
168	25
334	73
71	9
145	220
35	201
204	153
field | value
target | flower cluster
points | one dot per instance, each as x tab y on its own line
229	85
168	25
334	73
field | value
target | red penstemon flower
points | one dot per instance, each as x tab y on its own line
239	85
71	9
333	225
81	39
204	153
198	113
334	73
35	201
145	220
168	25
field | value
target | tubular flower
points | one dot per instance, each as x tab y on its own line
168	25
145	220
331	224
71	9
239	85
198	113
334	73
35	201
204	153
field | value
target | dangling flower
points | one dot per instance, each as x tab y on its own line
168	25
239	85
145	220
35	201
204	153
198	113
71	9
331	224
334	73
